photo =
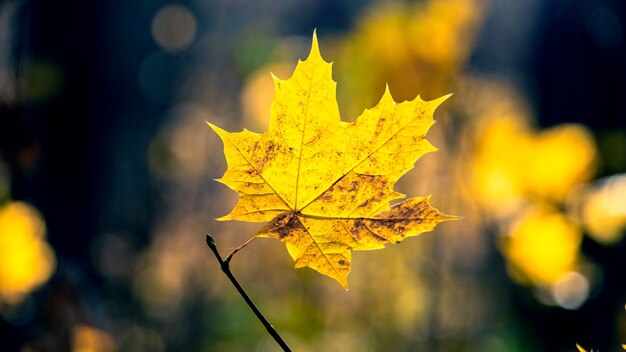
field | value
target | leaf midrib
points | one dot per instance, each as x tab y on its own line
306	114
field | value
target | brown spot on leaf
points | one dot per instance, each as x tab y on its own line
354	185
286	224
357	228
269	153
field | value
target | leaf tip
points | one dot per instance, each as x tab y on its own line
441	216
315	49
387	93
447	217
438	101
220	132
224	218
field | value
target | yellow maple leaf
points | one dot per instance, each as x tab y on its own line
325	185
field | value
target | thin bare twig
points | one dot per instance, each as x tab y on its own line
224	264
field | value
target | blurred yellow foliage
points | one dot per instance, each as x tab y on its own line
496	178
558	158
26	260
512	162
445	30
542	246
412	47
519	176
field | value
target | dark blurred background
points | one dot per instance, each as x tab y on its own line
106	164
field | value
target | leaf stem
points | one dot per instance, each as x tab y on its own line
230	256
226	269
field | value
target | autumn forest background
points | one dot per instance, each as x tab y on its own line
107	168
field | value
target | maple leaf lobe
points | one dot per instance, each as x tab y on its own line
324	185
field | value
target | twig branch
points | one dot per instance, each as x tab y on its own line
224	264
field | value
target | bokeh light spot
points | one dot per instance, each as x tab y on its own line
114	256
571	290
174	27
26	259
174	152
543	246
604	210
